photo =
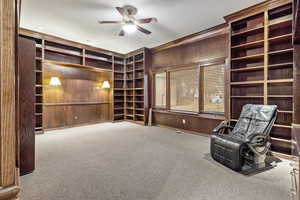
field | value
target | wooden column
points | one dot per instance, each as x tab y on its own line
8	138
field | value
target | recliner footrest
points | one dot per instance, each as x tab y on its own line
227	150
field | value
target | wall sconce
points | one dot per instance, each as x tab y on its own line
105	85
54	81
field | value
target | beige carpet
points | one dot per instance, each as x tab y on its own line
125	161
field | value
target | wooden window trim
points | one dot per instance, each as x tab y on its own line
195	65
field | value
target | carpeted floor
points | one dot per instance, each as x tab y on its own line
124	161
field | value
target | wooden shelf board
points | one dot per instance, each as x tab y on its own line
85	67
281	37
280	96
247	96
249	31
117	115
281	140
282	126
285	111
120	72
139	69
119	108
281	65
247	83
281	81
280	51
249	45
63	51
248	57
280	22
248	69
38	58
98	58
38	114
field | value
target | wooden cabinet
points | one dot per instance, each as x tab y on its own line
27	109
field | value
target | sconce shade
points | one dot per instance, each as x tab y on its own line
54	81
105	84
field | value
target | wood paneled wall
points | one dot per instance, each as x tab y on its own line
210	48
185	54
79	100
9	173
26	104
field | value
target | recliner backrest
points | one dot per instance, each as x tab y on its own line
255	119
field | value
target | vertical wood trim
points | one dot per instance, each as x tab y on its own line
7	92
266	56
168	106
83	57
296	84
227	88
201	89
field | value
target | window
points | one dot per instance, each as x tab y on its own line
212	85
184	90
198	90
160	90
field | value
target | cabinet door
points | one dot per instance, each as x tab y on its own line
26	72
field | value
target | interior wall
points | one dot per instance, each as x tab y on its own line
210	48
79	100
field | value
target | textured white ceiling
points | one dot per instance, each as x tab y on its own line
77	19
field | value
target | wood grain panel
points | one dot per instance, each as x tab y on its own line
7	93
78	100
215	47
198	124
70	115
9	172
26	105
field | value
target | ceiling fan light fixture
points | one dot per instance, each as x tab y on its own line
129	28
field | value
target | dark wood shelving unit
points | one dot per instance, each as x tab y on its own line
262	68
63	53
118	85
129	84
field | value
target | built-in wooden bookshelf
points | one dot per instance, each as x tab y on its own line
62	53
262	68
119	92
130	87
135	86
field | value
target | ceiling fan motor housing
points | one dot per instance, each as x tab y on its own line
130	10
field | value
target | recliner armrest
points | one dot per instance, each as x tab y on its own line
222	126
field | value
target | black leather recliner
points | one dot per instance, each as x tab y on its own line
248	141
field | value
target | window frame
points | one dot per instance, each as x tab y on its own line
154	91
198	66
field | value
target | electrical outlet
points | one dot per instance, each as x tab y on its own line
183	121
75	117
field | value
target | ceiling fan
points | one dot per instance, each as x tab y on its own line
129	22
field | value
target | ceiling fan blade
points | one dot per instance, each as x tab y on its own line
121	11
110	22
122	33
143	30
146	20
